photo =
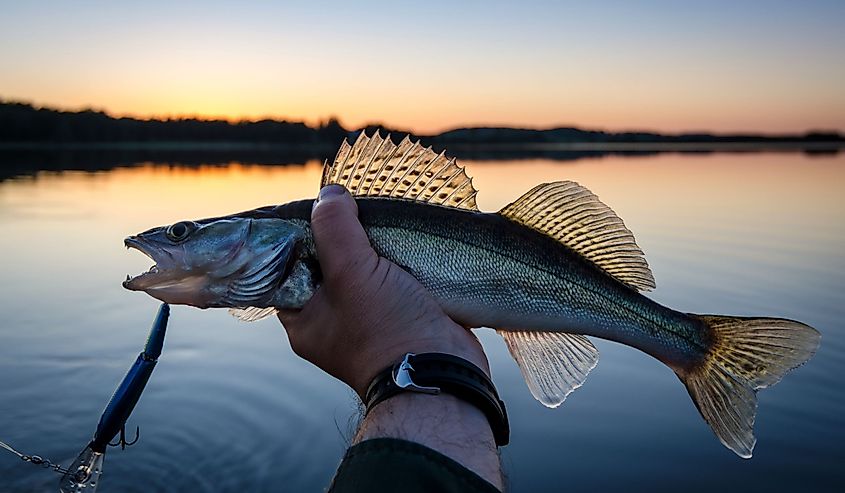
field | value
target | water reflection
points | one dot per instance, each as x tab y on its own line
231	408
27	161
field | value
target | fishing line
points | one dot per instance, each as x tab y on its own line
35	459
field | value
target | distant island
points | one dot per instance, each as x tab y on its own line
36	138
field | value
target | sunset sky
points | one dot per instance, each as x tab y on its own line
427	66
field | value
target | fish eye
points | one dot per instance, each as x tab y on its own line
179	231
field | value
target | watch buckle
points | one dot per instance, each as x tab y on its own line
402	378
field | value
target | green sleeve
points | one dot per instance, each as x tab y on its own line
390	464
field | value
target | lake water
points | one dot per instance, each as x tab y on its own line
231	408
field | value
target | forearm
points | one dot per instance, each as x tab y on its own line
443	423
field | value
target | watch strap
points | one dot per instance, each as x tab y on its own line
432	373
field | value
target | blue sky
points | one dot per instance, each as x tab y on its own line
670	66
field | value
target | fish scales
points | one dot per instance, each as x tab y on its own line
487	271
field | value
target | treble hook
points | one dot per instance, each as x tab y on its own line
122	440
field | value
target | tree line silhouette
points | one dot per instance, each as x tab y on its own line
21	122
24	123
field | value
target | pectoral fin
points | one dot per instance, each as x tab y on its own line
552	363
251	314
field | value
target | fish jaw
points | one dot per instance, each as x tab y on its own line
169	280
158	273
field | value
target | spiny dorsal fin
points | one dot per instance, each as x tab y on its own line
553	364
574	216
376	167
251	313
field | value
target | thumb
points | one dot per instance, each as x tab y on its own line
338	236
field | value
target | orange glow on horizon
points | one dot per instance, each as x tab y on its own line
704	68
600	120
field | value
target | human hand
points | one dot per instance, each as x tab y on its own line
368	313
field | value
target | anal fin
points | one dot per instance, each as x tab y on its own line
552	363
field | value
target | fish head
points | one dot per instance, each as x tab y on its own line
230	262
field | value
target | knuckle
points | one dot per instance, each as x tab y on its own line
326	216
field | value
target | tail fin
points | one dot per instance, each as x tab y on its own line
747	354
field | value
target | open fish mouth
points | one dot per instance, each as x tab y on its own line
147	278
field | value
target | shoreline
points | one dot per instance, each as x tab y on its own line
510	147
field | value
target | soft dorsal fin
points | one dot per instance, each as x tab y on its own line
376	167
574	216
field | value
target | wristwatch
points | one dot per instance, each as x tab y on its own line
433	373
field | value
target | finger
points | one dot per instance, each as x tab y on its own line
338	236
288	318
309	322
307	316
297	331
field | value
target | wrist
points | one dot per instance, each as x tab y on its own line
449	338
439	373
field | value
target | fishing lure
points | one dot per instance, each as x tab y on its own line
83	474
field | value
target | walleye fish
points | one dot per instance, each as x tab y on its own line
552	267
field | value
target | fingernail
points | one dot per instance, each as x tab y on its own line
330	191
